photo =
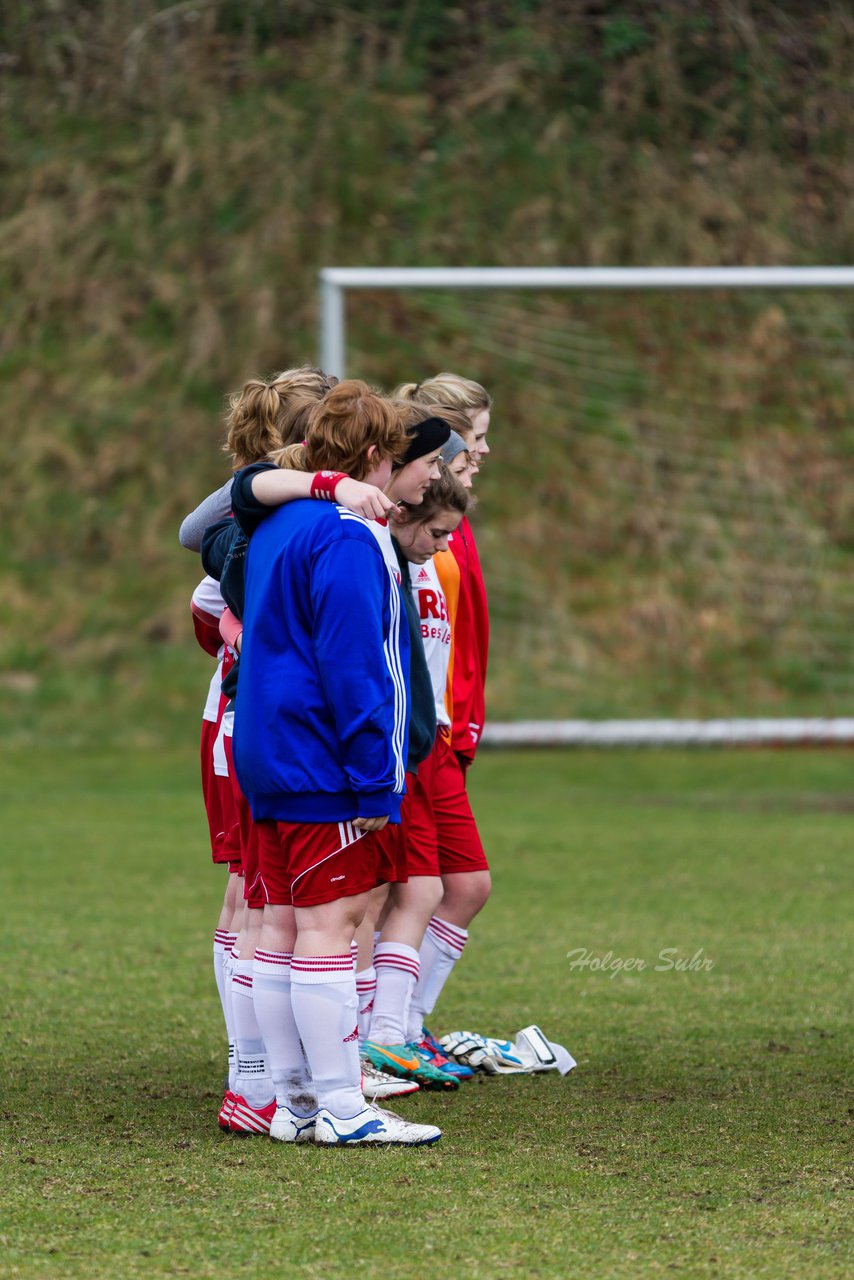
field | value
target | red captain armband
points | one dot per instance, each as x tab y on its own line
324	483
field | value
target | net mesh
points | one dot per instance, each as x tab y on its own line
665	519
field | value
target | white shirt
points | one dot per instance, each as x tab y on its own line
435	630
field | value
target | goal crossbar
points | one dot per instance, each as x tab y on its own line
335	281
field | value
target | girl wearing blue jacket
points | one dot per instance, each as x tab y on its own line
320	744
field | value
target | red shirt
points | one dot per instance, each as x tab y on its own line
469	645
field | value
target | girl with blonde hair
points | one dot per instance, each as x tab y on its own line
458	392
465	872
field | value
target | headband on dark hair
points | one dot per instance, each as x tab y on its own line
424	437
455	446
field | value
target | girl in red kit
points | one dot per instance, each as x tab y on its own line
471	635
466	882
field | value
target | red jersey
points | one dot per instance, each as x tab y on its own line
469	643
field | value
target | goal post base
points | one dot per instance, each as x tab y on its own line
670	733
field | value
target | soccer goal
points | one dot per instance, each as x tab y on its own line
667	516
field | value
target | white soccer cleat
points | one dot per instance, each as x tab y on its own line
287	1127
373	1127
379	1084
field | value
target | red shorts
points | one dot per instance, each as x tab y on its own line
391	842
440	832
307	863
219	802
248	836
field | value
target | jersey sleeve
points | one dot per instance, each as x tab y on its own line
248	511
216	506
470	647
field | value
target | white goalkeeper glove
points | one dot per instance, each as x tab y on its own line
529	1052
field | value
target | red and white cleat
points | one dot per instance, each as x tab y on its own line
245	1119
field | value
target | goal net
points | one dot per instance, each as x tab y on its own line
666	519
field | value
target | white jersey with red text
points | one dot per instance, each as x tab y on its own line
435	631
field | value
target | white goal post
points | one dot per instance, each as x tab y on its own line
336	282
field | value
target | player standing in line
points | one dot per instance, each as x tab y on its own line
223	554
466	881
262	417
471	639
207	607
320	746
436	824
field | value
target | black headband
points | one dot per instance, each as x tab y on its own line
424	437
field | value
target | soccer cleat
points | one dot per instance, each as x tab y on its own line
379	1084
226	1110
245	1119
373	1127
287	1127
402	1060
436	1057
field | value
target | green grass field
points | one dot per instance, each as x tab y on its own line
703	1133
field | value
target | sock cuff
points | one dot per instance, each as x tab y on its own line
366	979
241	983
313	970
448	937
272	964
396	955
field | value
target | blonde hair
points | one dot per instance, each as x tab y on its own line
342	427
264	416
457	419
449	389
412	412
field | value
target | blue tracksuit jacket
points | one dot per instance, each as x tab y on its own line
320	729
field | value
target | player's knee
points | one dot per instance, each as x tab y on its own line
465	895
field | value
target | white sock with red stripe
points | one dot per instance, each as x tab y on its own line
397	973
254	1082
292	1082
441	949
227	971
222	944
323	995
366	985
222	940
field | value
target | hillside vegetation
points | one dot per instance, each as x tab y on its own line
173	178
